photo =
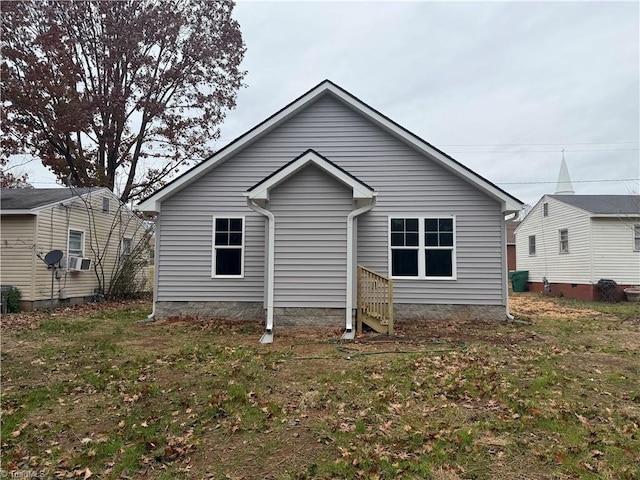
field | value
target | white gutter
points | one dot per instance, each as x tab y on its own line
267	337
349	332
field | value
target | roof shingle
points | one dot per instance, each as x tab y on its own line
28	198
603	204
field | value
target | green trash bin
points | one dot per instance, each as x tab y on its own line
519	280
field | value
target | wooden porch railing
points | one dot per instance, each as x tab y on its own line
375	301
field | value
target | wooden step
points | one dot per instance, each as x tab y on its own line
373	323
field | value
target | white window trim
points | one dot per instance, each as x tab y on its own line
122	252
68	242
535	246
422	247
563	252
214	248
635	233
106	205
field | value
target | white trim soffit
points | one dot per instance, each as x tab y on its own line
260	191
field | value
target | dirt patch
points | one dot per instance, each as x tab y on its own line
422	332
525	306
22	321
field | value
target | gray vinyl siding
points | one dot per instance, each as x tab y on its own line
311	212
406	181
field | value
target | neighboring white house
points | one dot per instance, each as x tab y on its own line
91	228
570	242
276	222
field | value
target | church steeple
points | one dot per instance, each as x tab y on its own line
564	186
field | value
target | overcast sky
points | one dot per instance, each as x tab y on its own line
500	86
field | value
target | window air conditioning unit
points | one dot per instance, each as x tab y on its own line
79	264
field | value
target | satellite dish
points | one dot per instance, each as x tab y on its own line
53	257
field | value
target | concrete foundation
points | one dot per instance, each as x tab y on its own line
211	310
255	311
28	305
404	311
579	291
329	317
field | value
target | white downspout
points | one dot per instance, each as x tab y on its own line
267	337
349	332
505	258
156	257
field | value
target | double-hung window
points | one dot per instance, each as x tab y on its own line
532	245
636	238
75	243
422	247
126	246
564	240
228	247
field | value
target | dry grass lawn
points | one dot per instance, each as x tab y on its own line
92	393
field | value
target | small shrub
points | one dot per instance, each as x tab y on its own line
129	281
13	298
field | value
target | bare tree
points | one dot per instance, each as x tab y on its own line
121	255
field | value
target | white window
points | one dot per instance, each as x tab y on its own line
76	243
532	244
126	247
545	209
422	247
636	238
105	204
564	240
228	247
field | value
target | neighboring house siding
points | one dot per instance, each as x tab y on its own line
548	262
52	234
18	253
406	182
311	210
613	251
511	257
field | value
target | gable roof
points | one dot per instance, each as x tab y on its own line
30	200
598	205
261	189
153	202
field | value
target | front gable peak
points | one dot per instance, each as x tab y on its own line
260	191
509	204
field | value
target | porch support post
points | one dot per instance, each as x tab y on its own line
349	332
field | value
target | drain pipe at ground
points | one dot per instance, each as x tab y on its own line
349	333
267	337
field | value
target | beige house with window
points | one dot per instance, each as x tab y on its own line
90	226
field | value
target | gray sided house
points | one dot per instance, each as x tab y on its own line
277	223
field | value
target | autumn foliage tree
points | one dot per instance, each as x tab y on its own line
117	93
9	179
